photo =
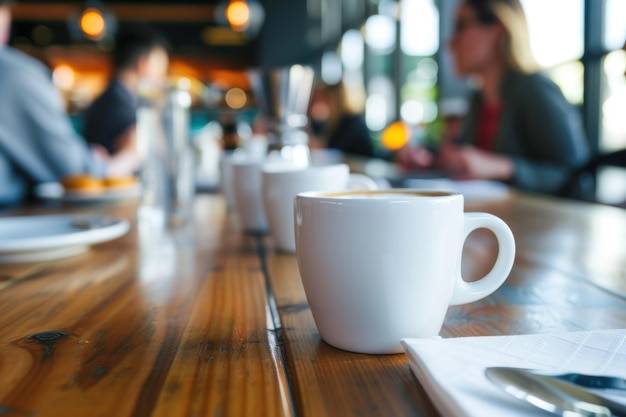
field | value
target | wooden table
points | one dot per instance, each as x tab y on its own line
208	321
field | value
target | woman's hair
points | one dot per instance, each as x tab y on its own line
510	14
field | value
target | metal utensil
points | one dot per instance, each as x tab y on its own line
553	394
588	381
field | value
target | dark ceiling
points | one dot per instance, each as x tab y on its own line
289	32
189	25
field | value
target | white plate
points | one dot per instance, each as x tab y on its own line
41	238
55	191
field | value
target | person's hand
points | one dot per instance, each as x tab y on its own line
410	157
99	152
316	143
126	159
468	163
123	164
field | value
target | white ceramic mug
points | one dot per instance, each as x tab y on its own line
281	184
380	266
247	188
247	194
226	178
252	153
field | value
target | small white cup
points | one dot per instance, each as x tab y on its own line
281	184
226	178
247	188
379	266
254	150
247	194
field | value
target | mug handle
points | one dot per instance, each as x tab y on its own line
361	182
467	292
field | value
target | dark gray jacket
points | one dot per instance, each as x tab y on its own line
539	129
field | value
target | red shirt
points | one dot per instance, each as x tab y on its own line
487	127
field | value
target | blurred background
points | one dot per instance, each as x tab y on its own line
390	54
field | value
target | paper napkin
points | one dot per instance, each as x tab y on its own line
452	371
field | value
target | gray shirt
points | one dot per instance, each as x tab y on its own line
37	140
539	129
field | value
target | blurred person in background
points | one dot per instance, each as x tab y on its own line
335	125
520	129
453	113
110	120
230	136
37	140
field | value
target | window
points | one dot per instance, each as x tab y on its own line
613	101
419	42
559	50
401	71
612	135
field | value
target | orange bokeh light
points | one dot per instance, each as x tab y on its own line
395	136
236	98
92	23
238	14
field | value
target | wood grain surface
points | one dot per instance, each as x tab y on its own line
562	280
143	326
208	321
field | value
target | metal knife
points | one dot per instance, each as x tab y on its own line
553	394
589	381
